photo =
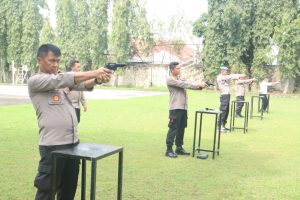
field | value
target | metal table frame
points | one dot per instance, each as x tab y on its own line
233	115
251	107
216	130
92	152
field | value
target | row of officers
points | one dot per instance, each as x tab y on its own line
56	98
178	103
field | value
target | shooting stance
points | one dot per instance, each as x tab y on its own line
178	110
57	119
76	97
240	94
223	81
263	91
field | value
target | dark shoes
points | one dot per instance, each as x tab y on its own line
202	156
171	154
181	151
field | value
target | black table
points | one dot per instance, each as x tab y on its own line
92	152
251	107
233	115
216	129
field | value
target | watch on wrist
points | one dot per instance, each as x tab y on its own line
97	82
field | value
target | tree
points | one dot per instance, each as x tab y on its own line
31	26
14	16
98	23
81	46
65	30
287	37
129	27
47	33
141	40
120	37
3	41
239	33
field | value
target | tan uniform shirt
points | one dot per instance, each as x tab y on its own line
178	96
240	87
55	114
224	82
76	97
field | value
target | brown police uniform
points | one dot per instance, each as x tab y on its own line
177	110
57	130
224	87
240	94
76	97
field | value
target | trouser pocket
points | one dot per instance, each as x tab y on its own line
43	178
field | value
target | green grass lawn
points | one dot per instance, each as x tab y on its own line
262	164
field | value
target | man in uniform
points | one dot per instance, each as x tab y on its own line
57	119
240	94
223	81
178	110
76	97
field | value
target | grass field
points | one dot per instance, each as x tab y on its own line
262	164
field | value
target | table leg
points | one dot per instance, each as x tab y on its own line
219	132
200	131
120	175
83	179
215	134
251	109
195	130
231	114
93	179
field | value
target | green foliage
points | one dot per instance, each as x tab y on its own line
31	26
47	33
20	25
287	36
141	40
81	47
130	30
239	33
66	29
200	25
120	37
14	31
98	23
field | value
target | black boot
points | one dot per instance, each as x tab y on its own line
181	151
170	153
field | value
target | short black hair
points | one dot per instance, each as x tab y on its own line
172	65
72	63
44	49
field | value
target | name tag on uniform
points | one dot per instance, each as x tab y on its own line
55	97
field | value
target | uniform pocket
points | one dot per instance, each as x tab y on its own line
172	122
43	178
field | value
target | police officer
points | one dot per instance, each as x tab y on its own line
240	94
57	119
223	81
178	109
76	97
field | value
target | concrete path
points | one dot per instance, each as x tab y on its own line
10	95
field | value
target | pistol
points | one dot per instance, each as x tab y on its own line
114	66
